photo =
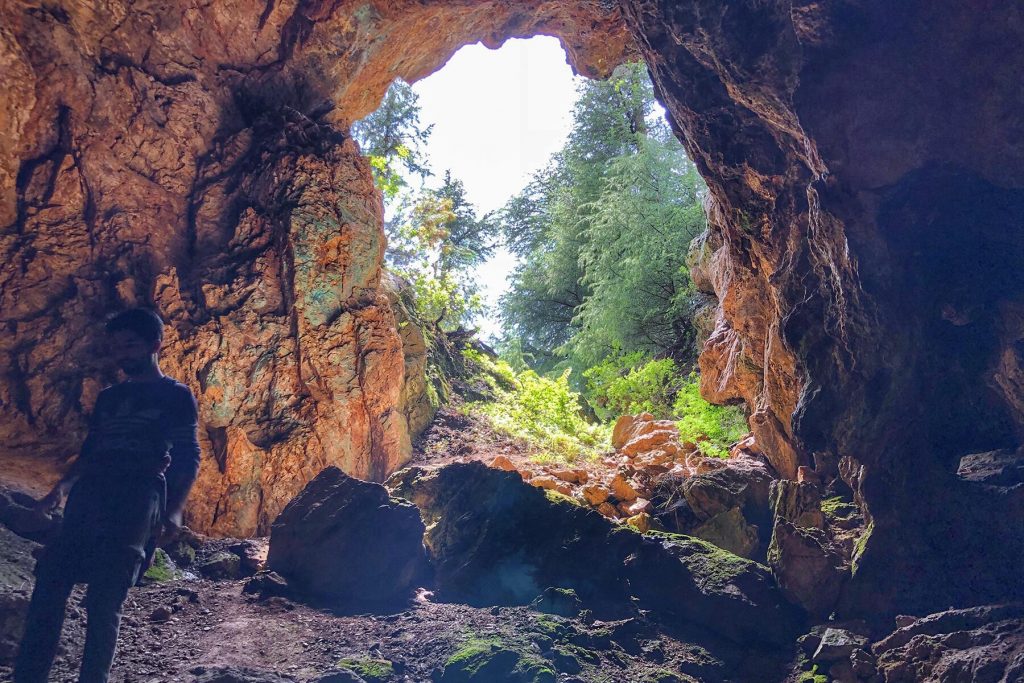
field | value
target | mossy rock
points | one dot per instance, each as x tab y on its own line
370	670
662	676
481	660
162	569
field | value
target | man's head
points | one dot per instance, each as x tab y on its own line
135	339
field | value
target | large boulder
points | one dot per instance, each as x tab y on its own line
728	505
494	539
346	540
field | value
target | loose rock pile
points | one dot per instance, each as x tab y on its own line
724	501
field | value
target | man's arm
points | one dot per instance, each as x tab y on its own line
181	473
59	492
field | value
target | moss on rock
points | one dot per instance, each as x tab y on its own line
371	670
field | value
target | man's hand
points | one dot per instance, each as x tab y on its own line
52	500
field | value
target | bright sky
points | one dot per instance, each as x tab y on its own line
498	117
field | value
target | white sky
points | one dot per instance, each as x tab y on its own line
498	117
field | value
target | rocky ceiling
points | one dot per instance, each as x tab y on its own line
867	193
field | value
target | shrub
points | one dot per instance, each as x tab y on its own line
630	384
545	413
713	428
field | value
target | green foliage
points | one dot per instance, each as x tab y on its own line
545	413
713	428
630	384
391	138
370	670
603	233
435	243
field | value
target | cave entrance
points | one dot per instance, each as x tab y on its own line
540	223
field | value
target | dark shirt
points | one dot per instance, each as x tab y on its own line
135	426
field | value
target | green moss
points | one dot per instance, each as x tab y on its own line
550	625
482	660
578	652
812	676
561	498
861	546
662	676
837	508
162	568
372	670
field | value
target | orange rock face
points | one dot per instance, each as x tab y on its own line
196	158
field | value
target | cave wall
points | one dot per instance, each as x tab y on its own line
865	164
195	157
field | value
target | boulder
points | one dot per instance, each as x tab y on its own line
837	645
999	468
621	431
221	565
729	530
595	494
809	564
495	540
623	490
346	540
699	582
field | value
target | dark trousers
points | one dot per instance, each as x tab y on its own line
103	544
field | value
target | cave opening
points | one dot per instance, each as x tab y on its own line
863	169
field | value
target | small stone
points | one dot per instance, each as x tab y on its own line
623	490
608	510
160	614
640	522
502	462
904	620
595	494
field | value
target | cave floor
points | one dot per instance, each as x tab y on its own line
213	625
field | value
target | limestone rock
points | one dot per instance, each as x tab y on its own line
345	540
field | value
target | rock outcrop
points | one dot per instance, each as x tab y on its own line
493	539
345	541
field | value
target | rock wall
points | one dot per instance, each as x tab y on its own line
195	157
866	176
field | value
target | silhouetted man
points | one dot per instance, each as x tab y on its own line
129	483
